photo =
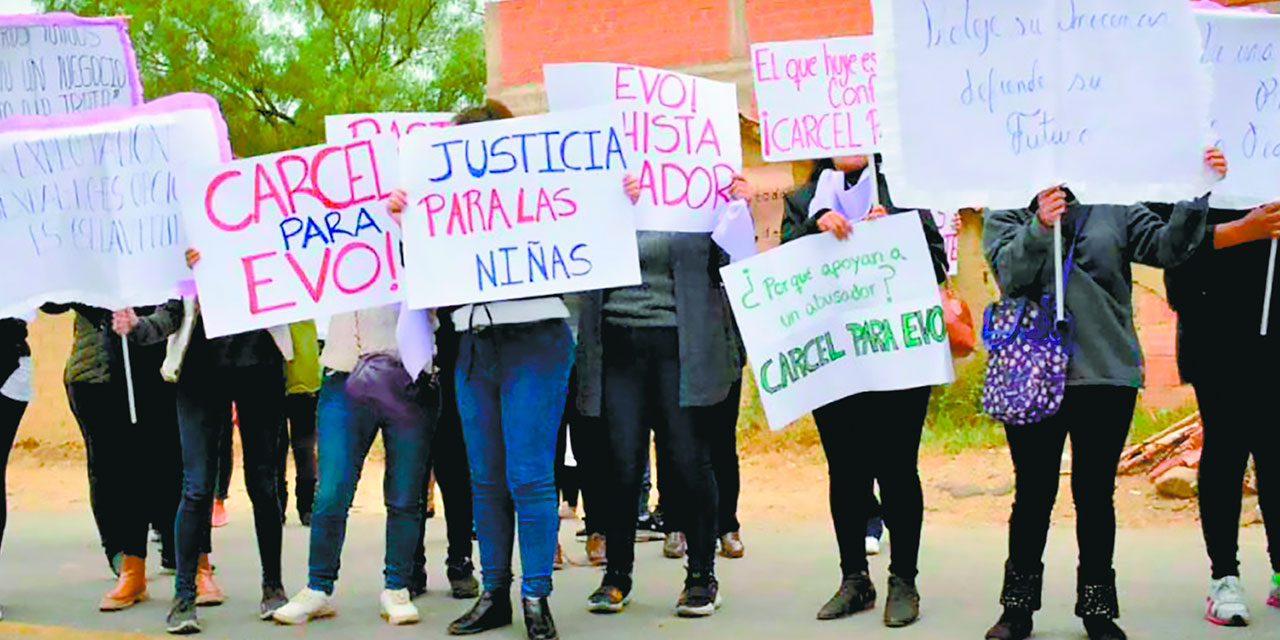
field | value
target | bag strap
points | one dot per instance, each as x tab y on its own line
1070	259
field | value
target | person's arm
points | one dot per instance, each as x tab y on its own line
157	326
1262	223
1019	248
1166	244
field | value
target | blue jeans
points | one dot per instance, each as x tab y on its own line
345	429
511	385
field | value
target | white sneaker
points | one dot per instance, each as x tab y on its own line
397	607
873	545
1225	604
308	605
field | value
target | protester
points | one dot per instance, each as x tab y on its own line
15	393
1215	293
368	391
724	463
512	375
1104	373
95	379
448	458
302	383
246	369
661	356
860	452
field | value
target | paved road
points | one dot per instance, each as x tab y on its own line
54	576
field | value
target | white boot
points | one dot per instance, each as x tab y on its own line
306	606
397	607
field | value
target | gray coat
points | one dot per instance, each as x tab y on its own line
711	357
1104	346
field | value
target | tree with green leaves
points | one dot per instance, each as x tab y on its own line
278	67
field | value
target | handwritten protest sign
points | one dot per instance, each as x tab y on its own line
89	208
987	102
517	208
817	98
947	224
682	129
362	126
60	63
823	319
295	235
1244	52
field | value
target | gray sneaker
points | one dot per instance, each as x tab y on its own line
1225	605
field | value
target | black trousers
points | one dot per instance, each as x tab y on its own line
868	438
226	455
642	391
724	459
1097	419
449	460
203	396
588	451
10	417
298	435
135	472
1238	421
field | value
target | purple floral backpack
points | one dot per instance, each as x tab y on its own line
1027	355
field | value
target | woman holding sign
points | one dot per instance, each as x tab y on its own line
247	369
367	391
122	492
874	436
1216	294
1103	375
511	379
662	355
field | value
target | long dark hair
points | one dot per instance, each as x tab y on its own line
490	110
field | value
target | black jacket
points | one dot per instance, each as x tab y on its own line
797	223
1219	293
13	346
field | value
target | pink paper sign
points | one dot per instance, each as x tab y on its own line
61	63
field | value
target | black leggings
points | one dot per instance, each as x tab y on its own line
642	391
125	496
449	460
299	435
724	459
870	437
1238	422
10	417
1097	419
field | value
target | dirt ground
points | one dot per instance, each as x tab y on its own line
784	476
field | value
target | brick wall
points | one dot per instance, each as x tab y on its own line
773	20
656	33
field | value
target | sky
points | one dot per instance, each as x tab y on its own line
16	6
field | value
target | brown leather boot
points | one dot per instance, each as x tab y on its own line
596	550
208	594
131	586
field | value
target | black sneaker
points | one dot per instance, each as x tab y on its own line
182	618
856	594
305	518
902	605
648	529
418	583
700	598
1103	628
462	580
612	596
273	597
1014	624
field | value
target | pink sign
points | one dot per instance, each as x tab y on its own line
61	63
